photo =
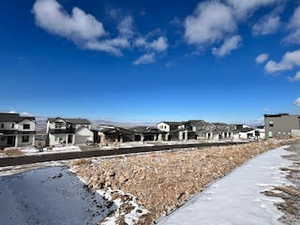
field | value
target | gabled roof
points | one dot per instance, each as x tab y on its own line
246	129
144	130
115	130
14	117
71	120
172	123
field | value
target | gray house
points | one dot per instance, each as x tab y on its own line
16	130
281	125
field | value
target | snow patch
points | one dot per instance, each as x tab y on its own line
122	201
237	198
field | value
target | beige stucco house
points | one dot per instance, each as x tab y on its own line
16	130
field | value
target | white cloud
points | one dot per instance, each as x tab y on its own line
125	27
288	62
228	45
76	26
210	22
112	46
89	33
272	66
262	58
296	77
297	102
84	29
22	113
216	21
158	45
294	27
145	59
244	8
267	25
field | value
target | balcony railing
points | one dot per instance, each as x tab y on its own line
62	130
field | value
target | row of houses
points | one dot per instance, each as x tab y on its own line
18	131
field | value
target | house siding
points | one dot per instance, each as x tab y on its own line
282	125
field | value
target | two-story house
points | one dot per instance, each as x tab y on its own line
281	125
69	131
16	130
174	130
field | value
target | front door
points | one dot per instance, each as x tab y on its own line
11	141
70	139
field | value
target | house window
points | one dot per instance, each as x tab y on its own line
271	124
2	139
2	125
26	126
25	139
270	134
59	125
12	125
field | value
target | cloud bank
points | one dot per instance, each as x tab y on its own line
215	22
89	33
289	61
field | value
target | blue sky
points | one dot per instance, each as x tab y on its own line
229	60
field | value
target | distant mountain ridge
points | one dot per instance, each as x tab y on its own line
120	124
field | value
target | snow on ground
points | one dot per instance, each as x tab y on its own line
237	198
131	216
52	196
68	148
126	209
29	150
58	149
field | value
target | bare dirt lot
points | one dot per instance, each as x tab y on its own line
164	181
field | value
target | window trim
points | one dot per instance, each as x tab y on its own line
26	124
27	140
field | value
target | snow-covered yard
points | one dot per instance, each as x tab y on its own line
34	151
237	198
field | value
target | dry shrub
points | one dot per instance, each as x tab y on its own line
13	152
80	162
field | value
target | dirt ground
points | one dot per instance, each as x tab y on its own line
290	194
163	182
